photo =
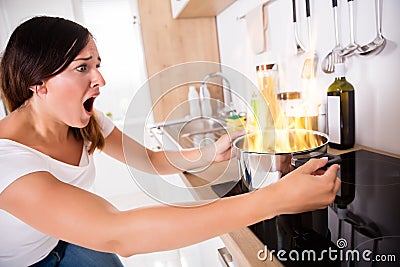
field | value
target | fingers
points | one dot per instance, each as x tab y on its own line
337	185
313	165
236	134
234	152
319	172
331	172
333	182
225	141
329	177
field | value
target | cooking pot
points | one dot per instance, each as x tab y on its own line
261	167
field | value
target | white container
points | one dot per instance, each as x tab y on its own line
193	98
205	103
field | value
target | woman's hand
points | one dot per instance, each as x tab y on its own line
308	187
168	162
223	146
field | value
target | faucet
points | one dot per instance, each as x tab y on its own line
204	85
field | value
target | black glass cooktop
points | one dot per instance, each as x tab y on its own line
366	214
361	228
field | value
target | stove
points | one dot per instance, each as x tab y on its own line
365	216
361	228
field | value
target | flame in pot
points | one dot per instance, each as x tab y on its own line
273	130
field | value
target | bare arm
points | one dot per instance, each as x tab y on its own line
119	146
77	216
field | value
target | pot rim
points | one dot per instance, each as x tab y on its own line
321	134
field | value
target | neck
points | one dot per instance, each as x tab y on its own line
44	124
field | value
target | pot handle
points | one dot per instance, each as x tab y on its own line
332	159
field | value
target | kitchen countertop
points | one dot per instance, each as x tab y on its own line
242	244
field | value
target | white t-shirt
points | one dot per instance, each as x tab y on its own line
20	244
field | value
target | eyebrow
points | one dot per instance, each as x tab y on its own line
86	58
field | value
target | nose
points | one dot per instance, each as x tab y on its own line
98	80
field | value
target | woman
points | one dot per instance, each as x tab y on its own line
50	79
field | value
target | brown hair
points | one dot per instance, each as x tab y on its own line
40	48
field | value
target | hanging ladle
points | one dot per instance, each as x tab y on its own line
377	45
353	46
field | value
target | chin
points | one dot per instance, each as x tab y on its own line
82	123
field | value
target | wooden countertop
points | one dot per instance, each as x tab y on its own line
242	244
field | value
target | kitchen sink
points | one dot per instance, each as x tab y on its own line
199	131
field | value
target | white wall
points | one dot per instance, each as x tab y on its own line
17	11
375	77
13	12
119	91
3	25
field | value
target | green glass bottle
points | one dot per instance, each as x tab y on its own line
340	112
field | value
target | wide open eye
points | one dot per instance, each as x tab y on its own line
82	68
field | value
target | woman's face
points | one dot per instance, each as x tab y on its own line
71	93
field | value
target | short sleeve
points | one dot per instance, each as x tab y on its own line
17	161
106	124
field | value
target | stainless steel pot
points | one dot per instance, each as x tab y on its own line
261	168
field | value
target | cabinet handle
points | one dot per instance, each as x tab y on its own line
134	19
225	257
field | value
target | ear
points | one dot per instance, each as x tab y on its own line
38	88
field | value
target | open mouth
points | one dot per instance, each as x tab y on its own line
88	104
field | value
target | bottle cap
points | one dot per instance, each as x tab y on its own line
340	70
288	95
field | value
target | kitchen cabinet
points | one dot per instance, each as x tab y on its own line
198	8
169	42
